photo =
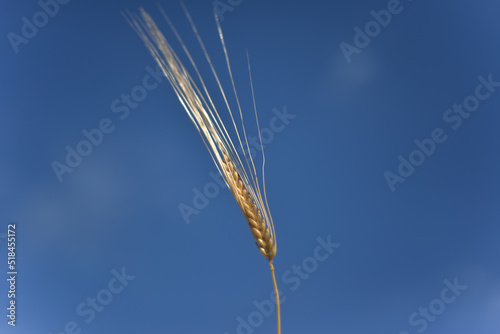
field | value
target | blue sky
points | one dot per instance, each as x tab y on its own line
347	96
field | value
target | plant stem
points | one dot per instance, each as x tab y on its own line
277	298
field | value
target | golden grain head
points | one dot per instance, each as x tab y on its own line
262	233
240	177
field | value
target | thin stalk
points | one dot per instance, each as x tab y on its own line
277	298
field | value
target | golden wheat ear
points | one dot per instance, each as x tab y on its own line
239	173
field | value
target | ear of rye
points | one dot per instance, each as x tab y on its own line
242	182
